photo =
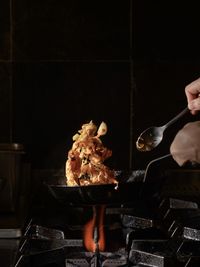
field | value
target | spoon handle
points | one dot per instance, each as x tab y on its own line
181	114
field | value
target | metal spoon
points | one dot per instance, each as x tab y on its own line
151	137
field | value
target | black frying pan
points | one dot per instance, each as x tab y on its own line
132	187
97	194
100	194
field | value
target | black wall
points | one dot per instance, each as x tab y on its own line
64	63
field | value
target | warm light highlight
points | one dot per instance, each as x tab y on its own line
93	235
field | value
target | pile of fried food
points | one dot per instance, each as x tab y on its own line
84	165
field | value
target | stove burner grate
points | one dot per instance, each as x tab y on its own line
169	237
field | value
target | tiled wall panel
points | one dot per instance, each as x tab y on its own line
5	104
66	62
54	100
5	30
71	30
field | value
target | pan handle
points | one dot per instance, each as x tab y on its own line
149	166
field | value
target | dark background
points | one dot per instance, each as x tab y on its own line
64	63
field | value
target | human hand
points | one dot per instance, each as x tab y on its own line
192	92
186	144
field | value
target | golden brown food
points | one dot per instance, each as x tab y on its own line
84	165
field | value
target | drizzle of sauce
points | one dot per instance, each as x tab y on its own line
143	146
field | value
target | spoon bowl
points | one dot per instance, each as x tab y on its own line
152	136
